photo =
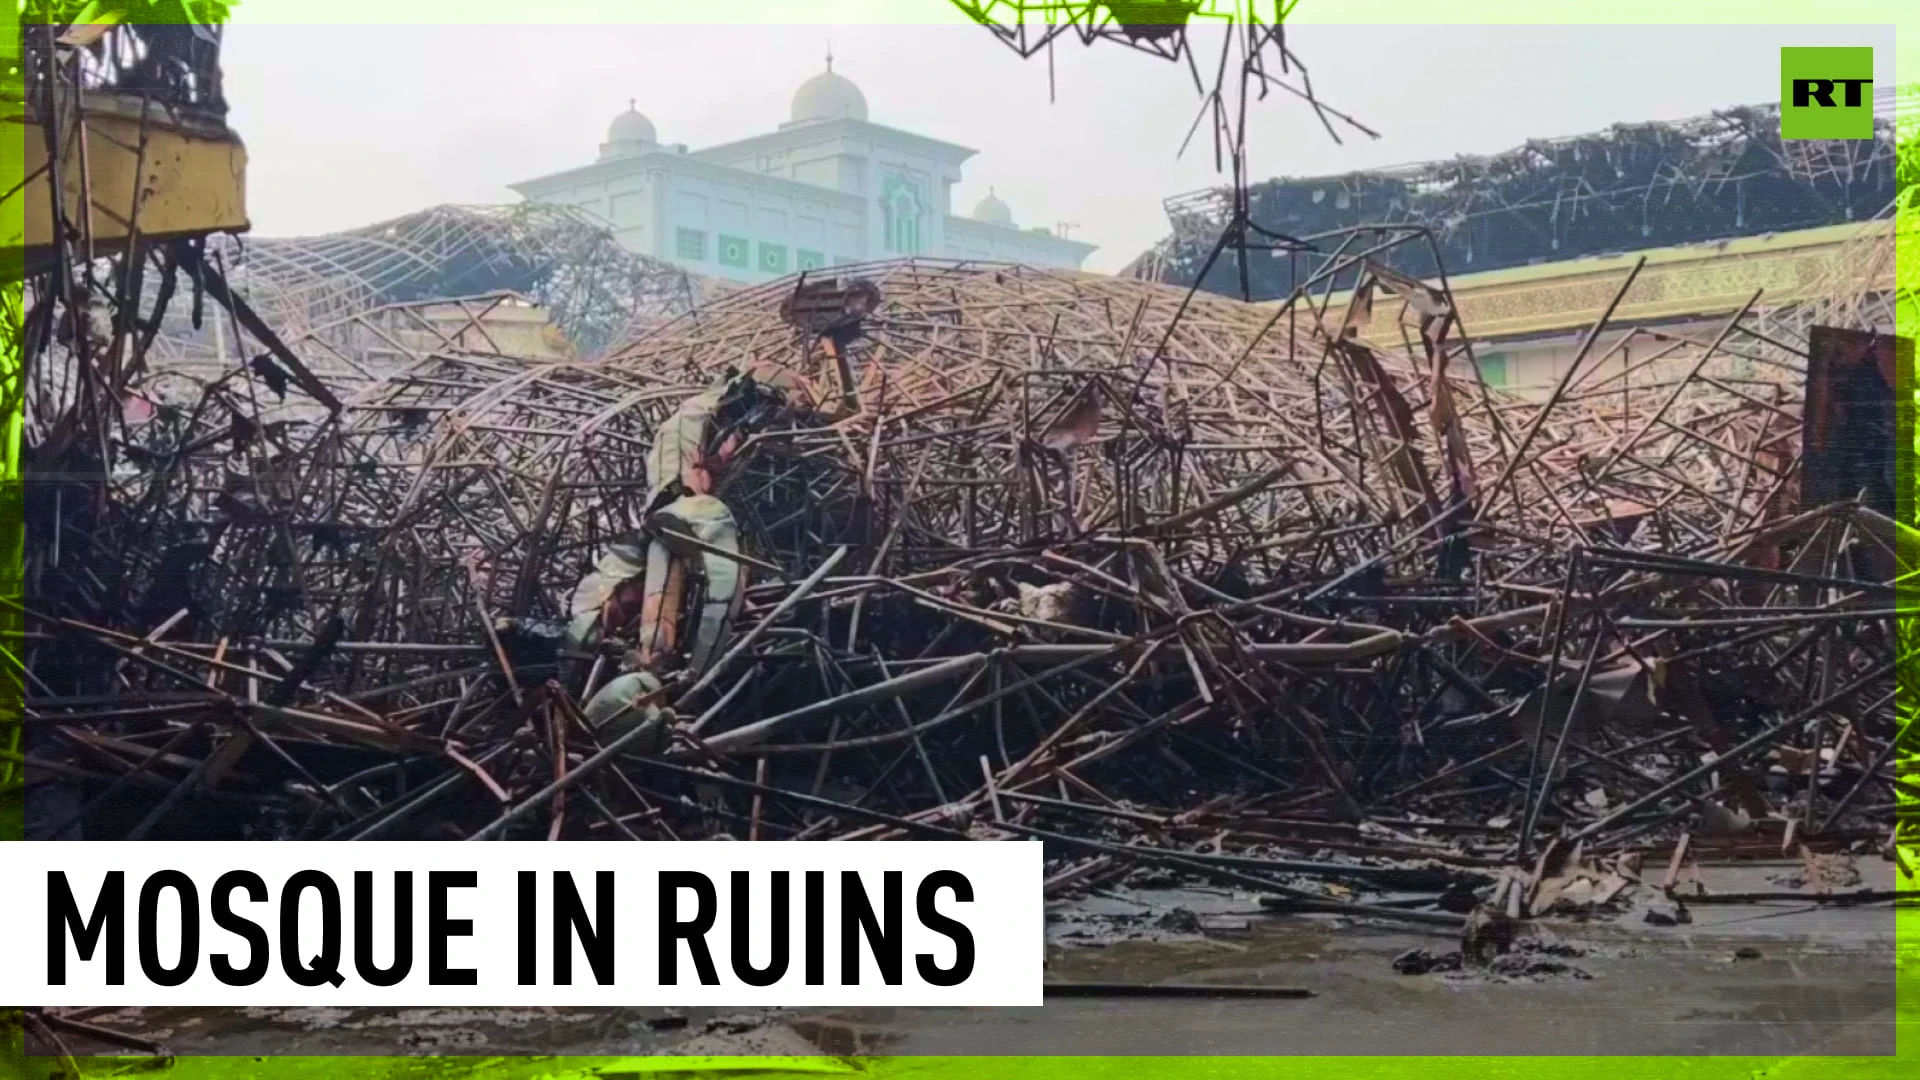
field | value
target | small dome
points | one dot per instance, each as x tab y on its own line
992	211
828	96
631	126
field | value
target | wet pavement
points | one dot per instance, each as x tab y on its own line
1765	978
1712	989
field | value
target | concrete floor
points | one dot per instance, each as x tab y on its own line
1772	979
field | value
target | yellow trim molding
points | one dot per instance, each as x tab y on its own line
1678	282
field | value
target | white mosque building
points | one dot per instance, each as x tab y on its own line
827	188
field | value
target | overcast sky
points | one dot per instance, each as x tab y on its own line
346	126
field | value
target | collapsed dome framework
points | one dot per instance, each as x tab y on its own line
381	605
278	625
1047	469
1017	410
593	290
1020	409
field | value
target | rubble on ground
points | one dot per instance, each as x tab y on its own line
1279	599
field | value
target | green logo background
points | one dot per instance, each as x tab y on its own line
1819	121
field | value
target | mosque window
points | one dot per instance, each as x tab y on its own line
902	209
690	244
808	260
733	252
773	258
1493	369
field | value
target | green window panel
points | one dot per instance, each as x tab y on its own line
1493	369
690	244
733	251
808	260
773	258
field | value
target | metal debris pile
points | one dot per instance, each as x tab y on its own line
1278	596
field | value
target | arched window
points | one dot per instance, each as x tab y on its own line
902	209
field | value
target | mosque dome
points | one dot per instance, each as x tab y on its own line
993	211
630	130
828	96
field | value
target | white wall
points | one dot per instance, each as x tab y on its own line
778	227
779	224
934	179
648	208
969	239
626	202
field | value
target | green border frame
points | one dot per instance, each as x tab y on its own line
681	234
419	12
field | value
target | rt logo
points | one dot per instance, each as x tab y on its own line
1826	93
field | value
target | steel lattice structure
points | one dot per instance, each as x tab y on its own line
1086	559
593	289
1254	59
1633	186
1224	507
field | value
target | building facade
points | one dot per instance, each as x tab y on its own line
827	188
1527	322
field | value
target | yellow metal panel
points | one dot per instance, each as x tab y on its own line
192	175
